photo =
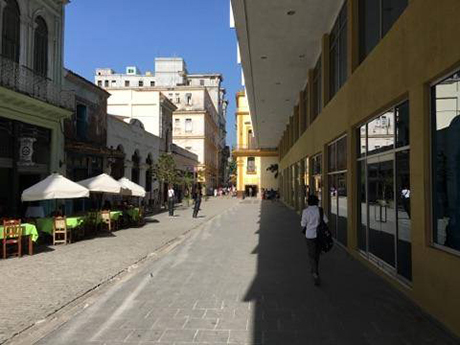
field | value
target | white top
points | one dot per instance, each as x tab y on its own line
405	193
171	193
310	220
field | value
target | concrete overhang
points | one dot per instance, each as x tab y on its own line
279	42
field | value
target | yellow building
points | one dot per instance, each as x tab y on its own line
252	162
370	97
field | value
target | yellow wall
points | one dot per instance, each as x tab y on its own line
420	48
263	158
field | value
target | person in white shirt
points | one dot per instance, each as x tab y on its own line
171	195
310	221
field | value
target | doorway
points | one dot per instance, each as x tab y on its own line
251	191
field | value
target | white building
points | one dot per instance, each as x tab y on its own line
141	150
200	117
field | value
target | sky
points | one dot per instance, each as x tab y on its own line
120	33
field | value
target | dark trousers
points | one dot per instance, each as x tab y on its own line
196	208
313	254
171	206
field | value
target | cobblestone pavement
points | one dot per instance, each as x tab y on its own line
33	287
242	279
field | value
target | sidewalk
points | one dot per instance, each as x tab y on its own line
242	279
33	287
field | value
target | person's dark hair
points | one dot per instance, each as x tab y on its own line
312	200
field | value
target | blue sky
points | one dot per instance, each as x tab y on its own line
118	33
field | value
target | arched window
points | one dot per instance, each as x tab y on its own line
41	47
135	171
11	31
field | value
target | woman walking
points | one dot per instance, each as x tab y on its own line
310	220
171	196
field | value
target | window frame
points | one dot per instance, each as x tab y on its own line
432	195
41	46
339	30
14	42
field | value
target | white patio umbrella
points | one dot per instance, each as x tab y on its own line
54	186
104	183
136	190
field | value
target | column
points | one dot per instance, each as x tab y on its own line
128	166
353	35
325	69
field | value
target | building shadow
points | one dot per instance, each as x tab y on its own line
352	306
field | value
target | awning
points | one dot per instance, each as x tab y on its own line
55	186
136	190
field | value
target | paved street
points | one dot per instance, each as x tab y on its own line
241	278
34	287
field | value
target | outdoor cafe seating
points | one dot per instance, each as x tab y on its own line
60	229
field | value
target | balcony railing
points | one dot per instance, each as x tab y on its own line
24	80
251	148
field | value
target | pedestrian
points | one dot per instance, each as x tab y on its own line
171	195
310	221
197	198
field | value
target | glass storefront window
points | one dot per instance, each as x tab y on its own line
402	124
384	230
381	134
338	208
446	162
317	186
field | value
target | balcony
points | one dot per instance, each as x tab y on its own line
24	80
252	150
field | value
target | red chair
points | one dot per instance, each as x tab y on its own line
12	233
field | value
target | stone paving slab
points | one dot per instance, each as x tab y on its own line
38	285
242	278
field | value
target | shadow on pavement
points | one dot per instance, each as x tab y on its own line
352	306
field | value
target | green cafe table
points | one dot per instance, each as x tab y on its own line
46	224
115	215
28	230
133	213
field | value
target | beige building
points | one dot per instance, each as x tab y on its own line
199	108
252	162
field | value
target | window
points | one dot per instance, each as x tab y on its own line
201	82
141	83
377	17
316	173
99	83
338	51
177	98
11	31
384	233
41	47
317	102
130	70
188	98
106	83
126	83
445	101
188	125
152	83
337	176
177	128
114	83
82	122
251	165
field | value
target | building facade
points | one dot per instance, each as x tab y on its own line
86	152
365	118
32	101
200	117
137	150
253	163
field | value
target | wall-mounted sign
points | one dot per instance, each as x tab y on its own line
26	151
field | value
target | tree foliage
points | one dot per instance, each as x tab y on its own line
165	169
